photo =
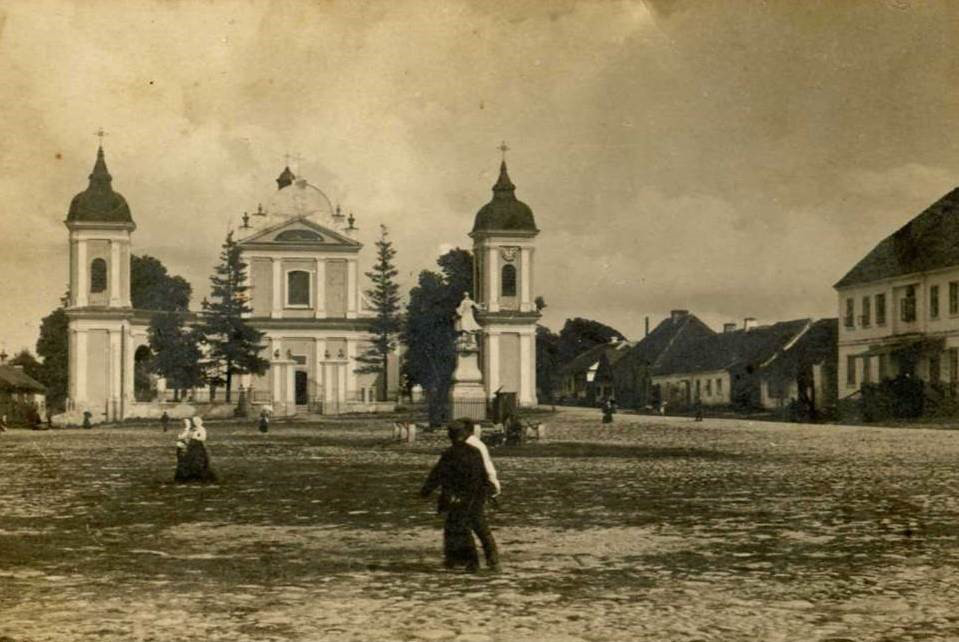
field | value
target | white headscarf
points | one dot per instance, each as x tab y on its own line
199	432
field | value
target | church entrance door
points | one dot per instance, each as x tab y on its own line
301	387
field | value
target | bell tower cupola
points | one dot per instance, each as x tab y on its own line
100	226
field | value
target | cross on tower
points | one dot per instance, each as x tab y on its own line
503	148
291	159
99	133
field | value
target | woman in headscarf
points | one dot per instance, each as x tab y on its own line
193	461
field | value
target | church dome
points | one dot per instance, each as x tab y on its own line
98	203
504	212
296	197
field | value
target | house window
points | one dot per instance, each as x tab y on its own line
935	369
298	288
880	309
508	280
98	275
883	367
934	301
850	313
719	386
866	312
850	370
954	297
709	387
907	309
866	375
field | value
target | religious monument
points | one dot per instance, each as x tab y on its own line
504	245
467	395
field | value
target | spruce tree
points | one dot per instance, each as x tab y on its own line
234	345
385	298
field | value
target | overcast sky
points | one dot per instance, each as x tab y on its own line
732	158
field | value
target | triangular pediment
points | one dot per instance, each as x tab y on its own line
298	232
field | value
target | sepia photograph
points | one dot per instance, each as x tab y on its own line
479	320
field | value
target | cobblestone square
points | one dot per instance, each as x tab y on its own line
651	528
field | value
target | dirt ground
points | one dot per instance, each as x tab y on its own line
652	528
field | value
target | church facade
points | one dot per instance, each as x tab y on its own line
305	295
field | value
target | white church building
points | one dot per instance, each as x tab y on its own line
302	267
305	294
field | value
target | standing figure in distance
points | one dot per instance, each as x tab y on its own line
609	407
86	419
165	421
264	423
464	486
193	461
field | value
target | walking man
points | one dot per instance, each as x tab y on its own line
464	486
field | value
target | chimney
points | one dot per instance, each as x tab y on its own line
729	327
647	327
676	315
749	323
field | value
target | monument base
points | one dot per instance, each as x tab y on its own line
468	400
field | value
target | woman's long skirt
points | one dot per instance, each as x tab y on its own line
194	464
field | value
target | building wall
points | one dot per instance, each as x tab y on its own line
856	339
714	387
261	290
509	365
98	367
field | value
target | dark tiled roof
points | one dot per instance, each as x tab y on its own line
666	336
739	348
98	203
505	211
817	345
927	242
14	379
586	360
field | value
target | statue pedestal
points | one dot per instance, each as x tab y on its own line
467	395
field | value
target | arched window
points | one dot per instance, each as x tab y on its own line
298	287
508	280
98	275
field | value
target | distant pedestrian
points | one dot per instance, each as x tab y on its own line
609	408
464	486
3	423
699	411
193	460
87	424
165	421
662	408
264	423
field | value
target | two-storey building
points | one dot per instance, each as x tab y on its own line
899	306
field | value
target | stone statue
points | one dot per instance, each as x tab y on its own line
466	322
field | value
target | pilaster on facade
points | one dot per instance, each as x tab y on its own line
527	371
492	278
115	267
352	292
351	355
492	363
525	301
83	285
319	309
277	268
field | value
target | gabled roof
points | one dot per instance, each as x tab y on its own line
328	236
819	344
668	335
586	360
928	242
14	379
748	349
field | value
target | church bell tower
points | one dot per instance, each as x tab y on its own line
99	309
504	243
